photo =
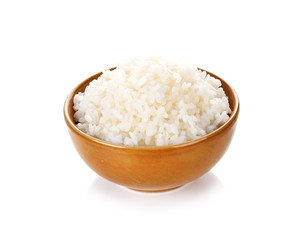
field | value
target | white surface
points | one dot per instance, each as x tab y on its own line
48	192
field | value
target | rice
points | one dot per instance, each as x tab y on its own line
151	102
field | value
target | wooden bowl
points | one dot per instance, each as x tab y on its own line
152	168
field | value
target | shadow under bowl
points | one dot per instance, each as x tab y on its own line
152	168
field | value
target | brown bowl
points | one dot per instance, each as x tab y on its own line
152	168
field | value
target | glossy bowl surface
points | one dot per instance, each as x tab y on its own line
152	168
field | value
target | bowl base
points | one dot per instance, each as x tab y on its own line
155	191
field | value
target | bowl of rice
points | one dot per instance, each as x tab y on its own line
151	124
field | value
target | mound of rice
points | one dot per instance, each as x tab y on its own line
151	101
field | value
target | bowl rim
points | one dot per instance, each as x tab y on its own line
95	140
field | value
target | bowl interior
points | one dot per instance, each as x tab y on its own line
80	88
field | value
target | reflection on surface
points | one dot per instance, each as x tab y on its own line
200	188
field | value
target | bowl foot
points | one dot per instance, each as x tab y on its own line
155	191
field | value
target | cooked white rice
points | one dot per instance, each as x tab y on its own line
151	101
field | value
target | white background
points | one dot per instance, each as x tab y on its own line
48	47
